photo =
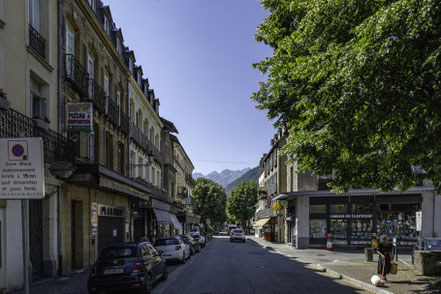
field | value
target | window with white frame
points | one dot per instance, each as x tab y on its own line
38	100
92	4
139	79
130	65
106	25
35	14
106	83
118	46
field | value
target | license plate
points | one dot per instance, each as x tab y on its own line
111	271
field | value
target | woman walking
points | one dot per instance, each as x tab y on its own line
384	251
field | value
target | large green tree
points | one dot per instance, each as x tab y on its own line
209	201
357	83
240	203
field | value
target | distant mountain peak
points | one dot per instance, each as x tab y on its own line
224	178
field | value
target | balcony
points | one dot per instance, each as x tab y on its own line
56	147
182	191
144	143
112	111
124	123
37	42
76	74
98	96
189	179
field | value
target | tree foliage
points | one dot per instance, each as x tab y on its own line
209	201
240	204
357	83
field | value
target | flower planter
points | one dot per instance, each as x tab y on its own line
41	123
4	104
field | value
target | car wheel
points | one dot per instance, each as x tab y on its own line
165	273
148	284
243	240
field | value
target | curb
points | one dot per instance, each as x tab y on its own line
363	285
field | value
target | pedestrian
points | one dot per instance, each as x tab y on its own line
144	239
384	251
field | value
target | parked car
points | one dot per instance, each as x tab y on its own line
187	245
201	239
194	245
237	234
173	248
426	244
126	266
231	228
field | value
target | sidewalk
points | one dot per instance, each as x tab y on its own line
353	267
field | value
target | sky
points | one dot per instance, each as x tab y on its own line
198	56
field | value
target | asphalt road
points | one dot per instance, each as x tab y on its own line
225	267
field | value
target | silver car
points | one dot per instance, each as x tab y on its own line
237	235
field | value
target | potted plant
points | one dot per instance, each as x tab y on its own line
4	103
42	122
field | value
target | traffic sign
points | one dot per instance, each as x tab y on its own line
21	168
277	207
419	221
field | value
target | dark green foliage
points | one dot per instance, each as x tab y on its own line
209	201
357	82
240	204
250	175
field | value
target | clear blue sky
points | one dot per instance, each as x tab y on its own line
198	56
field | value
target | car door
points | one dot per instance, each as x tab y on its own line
156	261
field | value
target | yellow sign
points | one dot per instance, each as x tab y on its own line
277	207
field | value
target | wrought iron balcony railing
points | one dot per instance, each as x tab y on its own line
76	73
189	179
182	191
124	123
144	143
98	96
37	42
56	147
112	111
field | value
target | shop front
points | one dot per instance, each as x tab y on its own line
110	225
354	221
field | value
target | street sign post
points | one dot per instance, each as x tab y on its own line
22	178
22	168
419	227
277	207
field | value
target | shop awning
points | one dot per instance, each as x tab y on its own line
162	216
261	222
175	221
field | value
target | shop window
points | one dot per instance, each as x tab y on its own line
315	209
338	229
339	208
361	208
317	228
361	231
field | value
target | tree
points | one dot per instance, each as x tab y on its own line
357	83
240	204
209	201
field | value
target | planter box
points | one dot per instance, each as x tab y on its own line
4	104
41	123
428	262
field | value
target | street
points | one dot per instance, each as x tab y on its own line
225	267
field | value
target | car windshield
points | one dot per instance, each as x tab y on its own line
118	252
166	242
434	244
190	238
237	231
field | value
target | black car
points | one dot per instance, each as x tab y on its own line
126	266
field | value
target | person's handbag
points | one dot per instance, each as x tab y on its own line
393	268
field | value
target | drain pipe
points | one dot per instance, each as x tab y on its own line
60	119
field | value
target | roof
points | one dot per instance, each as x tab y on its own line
170	126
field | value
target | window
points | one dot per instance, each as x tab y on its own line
130	65
139	79
35	14
106	83
146	127
109	150
92	4
118	46
339	208
70	39
106	25
151	134
38	100
138	118
140	167
121	158
96	135
317	208
317	228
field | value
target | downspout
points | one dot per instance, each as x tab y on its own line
60	120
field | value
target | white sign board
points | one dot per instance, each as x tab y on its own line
21	168
79	116
419	221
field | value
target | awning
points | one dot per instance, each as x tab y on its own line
175	221
162	216
261	222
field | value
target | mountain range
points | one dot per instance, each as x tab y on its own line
223	178
229	179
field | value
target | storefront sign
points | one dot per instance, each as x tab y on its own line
21	168
107	210
79	116
145	203
93	218
351	215
419	221
360	242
